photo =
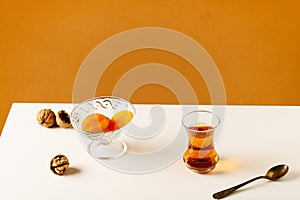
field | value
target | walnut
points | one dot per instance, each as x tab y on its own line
46	117
59	164
63	119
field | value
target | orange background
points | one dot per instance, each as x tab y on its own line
255	45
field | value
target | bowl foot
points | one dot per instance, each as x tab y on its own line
110	150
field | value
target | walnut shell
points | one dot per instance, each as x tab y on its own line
46	117
59	164
63	119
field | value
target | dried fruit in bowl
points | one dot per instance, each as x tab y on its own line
120	119
95	123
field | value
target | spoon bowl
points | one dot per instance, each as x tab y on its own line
277	172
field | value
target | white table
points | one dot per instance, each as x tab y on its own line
253	139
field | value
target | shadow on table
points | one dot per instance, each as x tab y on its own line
291	175
249	187
227	165
72	171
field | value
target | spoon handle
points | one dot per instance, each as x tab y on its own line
226	192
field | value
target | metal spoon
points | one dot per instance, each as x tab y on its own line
273	174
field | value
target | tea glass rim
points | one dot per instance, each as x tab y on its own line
201	111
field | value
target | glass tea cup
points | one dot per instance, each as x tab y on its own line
201	156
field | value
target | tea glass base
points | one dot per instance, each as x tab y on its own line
201	171
110	150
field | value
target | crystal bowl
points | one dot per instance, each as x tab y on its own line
104	144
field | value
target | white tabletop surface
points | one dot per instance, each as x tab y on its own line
254	138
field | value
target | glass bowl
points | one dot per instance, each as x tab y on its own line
104	144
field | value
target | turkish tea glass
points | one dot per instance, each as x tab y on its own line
201	155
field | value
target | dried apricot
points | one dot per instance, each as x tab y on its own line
120	119
95	123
